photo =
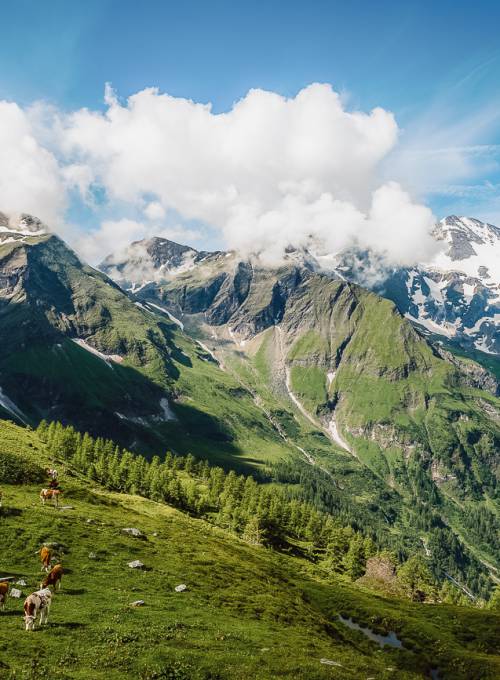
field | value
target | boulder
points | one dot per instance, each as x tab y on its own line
180	588
137	603
92	556
21	582
132	531
14	592
136	564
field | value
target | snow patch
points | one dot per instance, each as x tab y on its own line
107	358
9	406
170	316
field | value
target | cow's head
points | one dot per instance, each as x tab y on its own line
29	620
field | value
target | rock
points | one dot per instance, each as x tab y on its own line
92	556
21	582
14	592
180	588
65	507
328	662
132	531
155	533
265	649
91	521
137	603
136	564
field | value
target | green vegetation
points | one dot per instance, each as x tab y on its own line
247	612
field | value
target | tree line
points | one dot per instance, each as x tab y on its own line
262	514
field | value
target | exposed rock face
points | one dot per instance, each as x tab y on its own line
151	260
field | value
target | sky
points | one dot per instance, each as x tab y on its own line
250	125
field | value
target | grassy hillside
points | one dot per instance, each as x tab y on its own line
247	613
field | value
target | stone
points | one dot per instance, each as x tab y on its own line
132	531
329	662
14	592
92	556
136	564
180	588
137	603
21	582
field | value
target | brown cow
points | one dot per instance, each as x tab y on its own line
53	578
50	494
37	603
45	557
4	590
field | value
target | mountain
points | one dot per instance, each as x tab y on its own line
150	260
456	296
354	372
287	372
246	611
79	349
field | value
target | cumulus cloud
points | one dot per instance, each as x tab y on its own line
269	173
30	175
114	237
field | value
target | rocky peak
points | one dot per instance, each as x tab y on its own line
22	225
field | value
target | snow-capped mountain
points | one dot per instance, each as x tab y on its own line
457	295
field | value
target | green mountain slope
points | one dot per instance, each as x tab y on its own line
247	611
352	383
78	349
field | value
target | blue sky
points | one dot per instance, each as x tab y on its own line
435	65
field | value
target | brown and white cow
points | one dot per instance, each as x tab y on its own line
45	557
37	603
53	578
4	591
50	494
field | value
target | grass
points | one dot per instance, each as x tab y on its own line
247	612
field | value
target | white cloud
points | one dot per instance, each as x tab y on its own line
114	236
271	172
154	211
30	175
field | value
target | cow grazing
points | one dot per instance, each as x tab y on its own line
45	557
50	494
37	603
53	578
4	590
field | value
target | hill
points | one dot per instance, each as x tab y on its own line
247	611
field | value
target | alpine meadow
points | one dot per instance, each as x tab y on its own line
250	347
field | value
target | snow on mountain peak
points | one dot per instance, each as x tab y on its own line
17	227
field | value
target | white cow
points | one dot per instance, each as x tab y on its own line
35	604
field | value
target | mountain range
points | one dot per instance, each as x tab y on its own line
251	366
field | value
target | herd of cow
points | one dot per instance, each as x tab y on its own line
37	605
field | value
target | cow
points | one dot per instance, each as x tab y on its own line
50	494
4	590
35	604
45	557
53	578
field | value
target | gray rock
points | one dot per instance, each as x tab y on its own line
14	592
180	588
132	531
329	662
136	564
21	582
137	603
92	556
